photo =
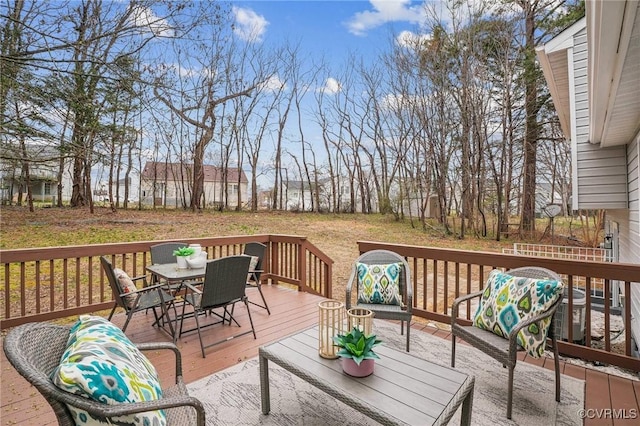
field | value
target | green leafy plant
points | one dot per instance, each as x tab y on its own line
356	345
184	251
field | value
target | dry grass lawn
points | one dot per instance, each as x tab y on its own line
336	235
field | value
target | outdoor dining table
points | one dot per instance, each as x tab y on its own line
172	274
174	277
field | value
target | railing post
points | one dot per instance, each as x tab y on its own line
302	265
327	281
275	271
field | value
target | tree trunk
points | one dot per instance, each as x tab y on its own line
527	221
198	168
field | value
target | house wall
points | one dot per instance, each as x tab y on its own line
600	178
628	222
295	199
174	194
41	171
213	193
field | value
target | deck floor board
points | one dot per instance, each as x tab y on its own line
291	311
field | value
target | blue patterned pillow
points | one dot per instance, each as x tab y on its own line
102	364
379	283
508	300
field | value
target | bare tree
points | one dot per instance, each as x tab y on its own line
216	77
283	115
75	47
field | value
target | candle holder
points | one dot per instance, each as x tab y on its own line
361	318
330	324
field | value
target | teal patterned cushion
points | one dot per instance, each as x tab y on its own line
379	283
508	300
102	364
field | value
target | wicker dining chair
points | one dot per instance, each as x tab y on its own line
35	350
253	279
147	297
163	252
402	312
499	348
224	285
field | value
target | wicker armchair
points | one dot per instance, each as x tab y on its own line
35	350
392	312
505	350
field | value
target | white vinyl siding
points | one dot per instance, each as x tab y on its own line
601	173
629	252
629	229
634	185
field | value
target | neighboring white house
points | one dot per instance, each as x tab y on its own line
593	72
298	194
101	191
169	184
43	174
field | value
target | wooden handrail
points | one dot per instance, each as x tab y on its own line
39	284
440	275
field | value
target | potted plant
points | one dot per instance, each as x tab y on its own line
182	254
356	351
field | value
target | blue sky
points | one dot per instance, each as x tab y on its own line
332	28
329	29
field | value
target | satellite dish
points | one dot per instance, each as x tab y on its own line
552	210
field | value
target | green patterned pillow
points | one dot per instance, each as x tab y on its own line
379	283
102	364
507	300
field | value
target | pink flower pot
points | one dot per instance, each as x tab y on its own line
350	367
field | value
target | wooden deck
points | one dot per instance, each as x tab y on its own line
291	311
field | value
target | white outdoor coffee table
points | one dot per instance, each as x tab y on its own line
403	389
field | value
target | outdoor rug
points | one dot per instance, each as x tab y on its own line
232	396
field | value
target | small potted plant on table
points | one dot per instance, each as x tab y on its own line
181	255
356	351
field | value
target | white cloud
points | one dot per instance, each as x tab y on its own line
249	26
385	11
331	86
411	39
273	84
145	18
395	101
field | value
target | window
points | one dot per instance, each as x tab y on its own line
47	188
233	189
